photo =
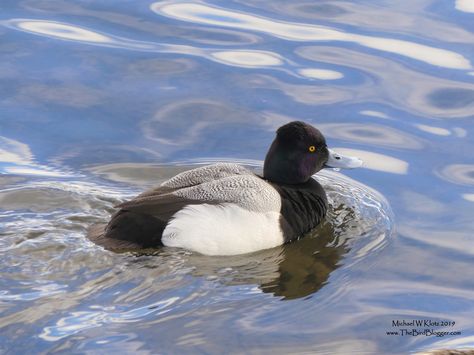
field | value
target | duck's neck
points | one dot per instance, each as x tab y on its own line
303	207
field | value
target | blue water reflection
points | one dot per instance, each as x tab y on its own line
100	101
208	15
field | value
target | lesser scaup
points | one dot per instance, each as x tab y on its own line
225	209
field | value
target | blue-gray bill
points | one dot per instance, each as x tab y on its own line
340	161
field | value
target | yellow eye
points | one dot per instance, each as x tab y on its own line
312	148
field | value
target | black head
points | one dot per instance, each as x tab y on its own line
298	151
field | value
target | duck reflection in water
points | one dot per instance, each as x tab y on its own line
302	273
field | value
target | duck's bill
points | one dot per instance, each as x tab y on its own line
340	161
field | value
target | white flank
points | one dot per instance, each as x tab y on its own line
224	229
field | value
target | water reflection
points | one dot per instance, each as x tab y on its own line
321	74
433	130
370	134
452	98
208	15
36	292
462	174
219	37
418	203
241	58
464	5
77	96
46	199
302	273
81	156
183	123
311	10
135	173
459	132
386	81
377	161
79	321
248	59
61	30
16	158
72	32
468	197
419	19
159	67
292	271
448	238
373	113
13	151
313	95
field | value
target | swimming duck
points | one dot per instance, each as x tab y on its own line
225	209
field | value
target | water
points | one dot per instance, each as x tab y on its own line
101	101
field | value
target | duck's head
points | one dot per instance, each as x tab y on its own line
298	152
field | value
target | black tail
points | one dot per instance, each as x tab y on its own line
128	230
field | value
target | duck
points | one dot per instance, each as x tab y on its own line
225	208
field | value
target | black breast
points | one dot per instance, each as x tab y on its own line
303	207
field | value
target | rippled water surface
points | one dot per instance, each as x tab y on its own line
100	100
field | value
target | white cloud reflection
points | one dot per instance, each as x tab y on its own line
248	58
377	161
37	171
321	74
62	30
69	32
468	197
461	174
12	151
16	158
373	113
207	15
465	5
434	130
